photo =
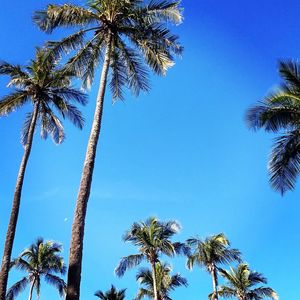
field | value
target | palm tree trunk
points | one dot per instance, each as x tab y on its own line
76	248
31	289
154	281
215	282
11	230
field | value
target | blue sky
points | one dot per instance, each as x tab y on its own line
180	152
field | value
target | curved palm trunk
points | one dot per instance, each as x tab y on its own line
31	290
154	281
76	248
11	230
214	275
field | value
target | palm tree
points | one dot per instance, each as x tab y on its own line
48	88
41	260
210	253
241	282
131	36
152	238
112	294
280	113
165	282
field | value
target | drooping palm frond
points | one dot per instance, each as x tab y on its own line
284	163
128	262
17	288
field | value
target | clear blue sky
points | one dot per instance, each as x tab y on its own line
180	152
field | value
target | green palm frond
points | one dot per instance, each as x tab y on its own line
63	15
13	101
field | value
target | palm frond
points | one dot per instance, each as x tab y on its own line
63	15
25	129
17	288
13	101
128	262
57	282
284	163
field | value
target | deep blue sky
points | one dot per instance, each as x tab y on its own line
180	152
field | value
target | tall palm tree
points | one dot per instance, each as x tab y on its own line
152	238
41	260
280	113
241	282
165	282
112	294
44	85
132	36
210	253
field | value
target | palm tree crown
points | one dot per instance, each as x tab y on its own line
241	282
210	253
280	113
41	260
165	282
47	87
132	30
152	238
112	294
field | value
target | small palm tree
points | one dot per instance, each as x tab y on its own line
132	37
48	88
41	260
112	294
152	238
241	282
280	113
165	282
210	253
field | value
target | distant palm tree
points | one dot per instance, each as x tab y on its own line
164	280
241	282
41	260
280	113
152	238
112	294
44	85
210	253
131	36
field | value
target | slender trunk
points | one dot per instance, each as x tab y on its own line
154	281
11	230
31	289
76	248
214	275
